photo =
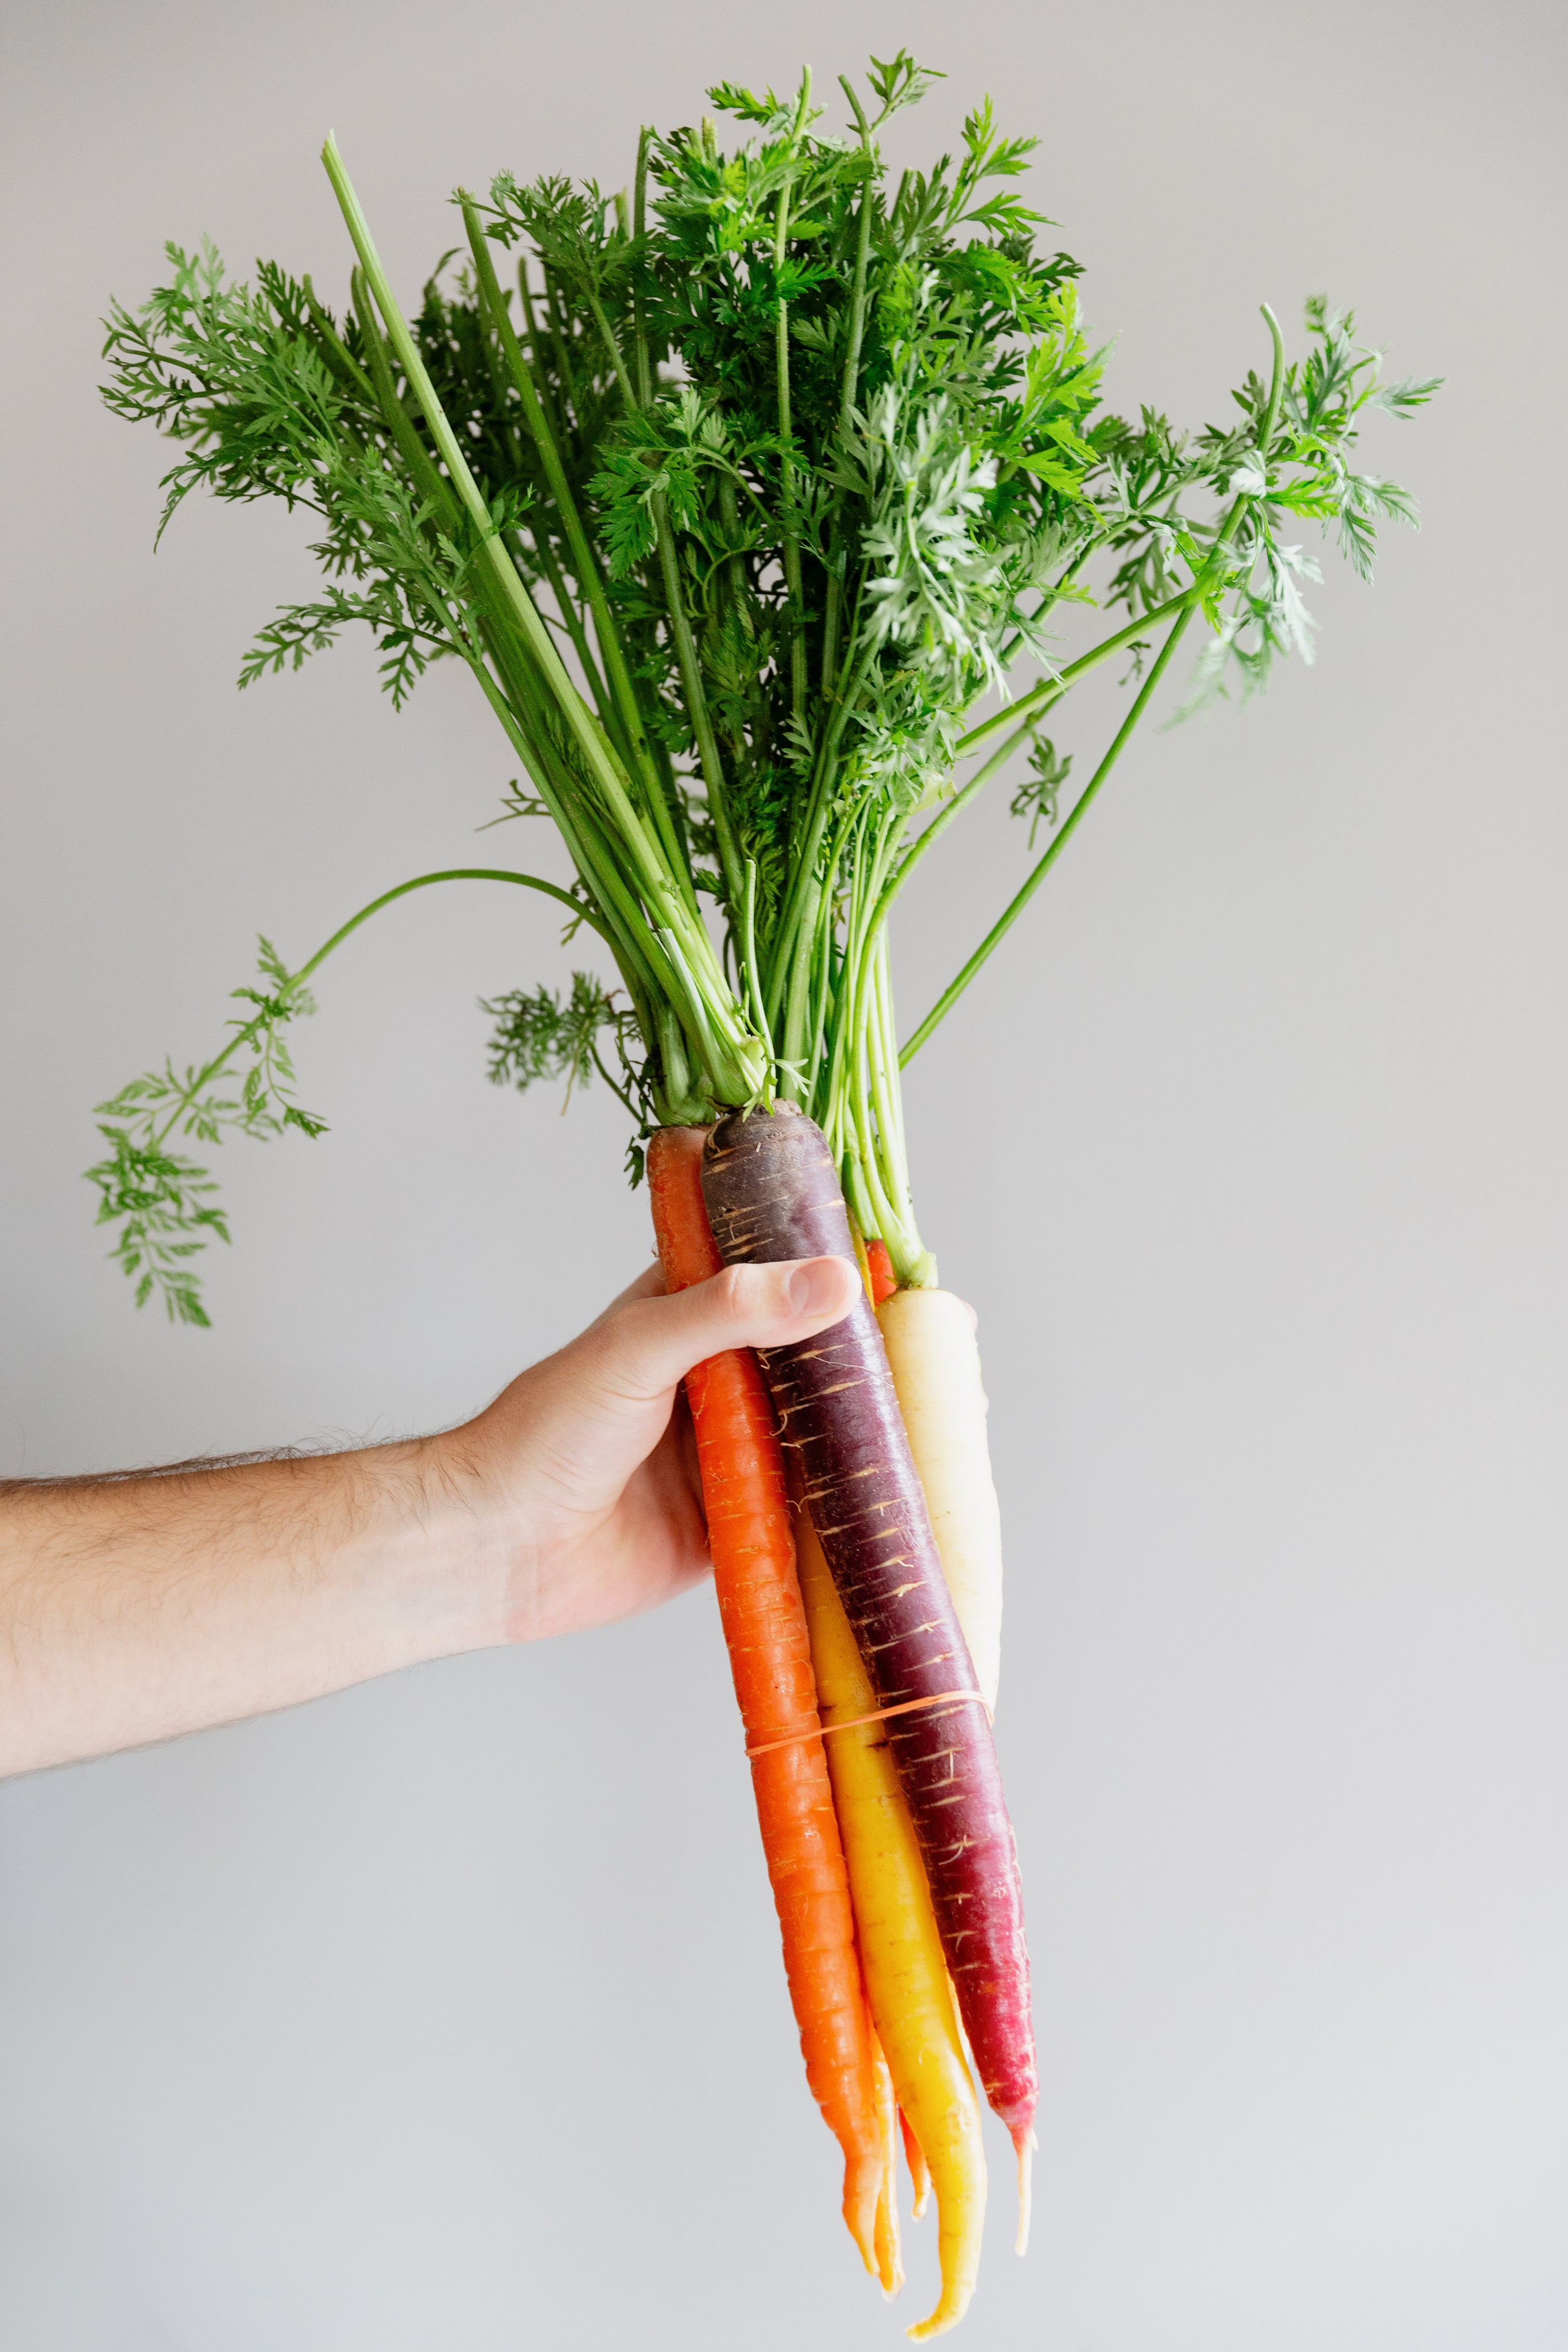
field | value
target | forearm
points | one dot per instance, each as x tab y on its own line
132	1608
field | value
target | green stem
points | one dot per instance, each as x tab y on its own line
738	1067
419	882
1000	929
792	580
639	320
851	384
580	720
1049	689
584	561
943	817
454	874
1187	603
696	706
342	359
805	851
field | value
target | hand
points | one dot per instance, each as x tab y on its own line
134	1608
584	1468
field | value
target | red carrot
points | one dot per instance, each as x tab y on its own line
772	1192
751	1537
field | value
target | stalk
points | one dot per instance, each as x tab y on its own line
791	538
1187	603
242	1037
1003	925
736	1065
850	382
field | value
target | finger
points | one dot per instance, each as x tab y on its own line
651	1343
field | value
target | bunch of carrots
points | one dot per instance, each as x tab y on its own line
742	496
888	1844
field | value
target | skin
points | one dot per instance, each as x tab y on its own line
136	1606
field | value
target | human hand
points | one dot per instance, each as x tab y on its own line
133	1608
583	1472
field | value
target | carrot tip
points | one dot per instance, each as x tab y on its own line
919	2172
1026	2144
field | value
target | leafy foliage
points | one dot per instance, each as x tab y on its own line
162	1201
538	1036
1038	795
788	464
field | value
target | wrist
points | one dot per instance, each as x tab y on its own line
463	1557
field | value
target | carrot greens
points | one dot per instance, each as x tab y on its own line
758	501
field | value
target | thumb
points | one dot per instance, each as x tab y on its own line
649	1344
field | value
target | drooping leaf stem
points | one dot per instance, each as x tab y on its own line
297	980
1004	923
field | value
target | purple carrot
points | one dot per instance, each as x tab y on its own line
772	1191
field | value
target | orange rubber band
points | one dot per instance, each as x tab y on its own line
853	1722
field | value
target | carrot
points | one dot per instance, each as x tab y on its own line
772	1192
752	1543
883	1281
901	1949
889	2255
936	1368
919	2170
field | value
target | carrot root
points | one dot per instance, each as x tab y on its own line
919	2170
1026	2143
889	2253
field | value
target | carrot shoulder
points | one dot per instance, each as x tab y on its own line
752	1542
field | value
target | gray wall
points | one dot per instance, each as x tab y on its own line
448	2011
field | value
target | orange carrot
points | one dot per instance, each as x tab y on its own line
919	2170
751	1537
883	1281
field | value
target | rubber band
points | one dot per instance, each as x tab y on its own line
853	1722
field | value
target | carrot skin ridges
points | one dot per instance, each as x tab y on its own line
772	1192
751	1538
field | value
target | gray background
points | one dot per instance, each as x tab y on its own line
448	2011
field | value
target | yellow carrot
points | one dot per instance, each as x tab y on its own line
901	1950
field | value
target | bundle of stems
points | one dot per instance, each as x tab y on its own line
744	496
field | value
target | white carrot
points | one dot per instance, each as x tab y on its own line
935	1366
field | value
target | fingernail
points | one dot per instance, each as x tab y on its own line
815	1284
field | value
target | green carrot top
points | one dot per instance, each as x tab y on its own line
750	501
